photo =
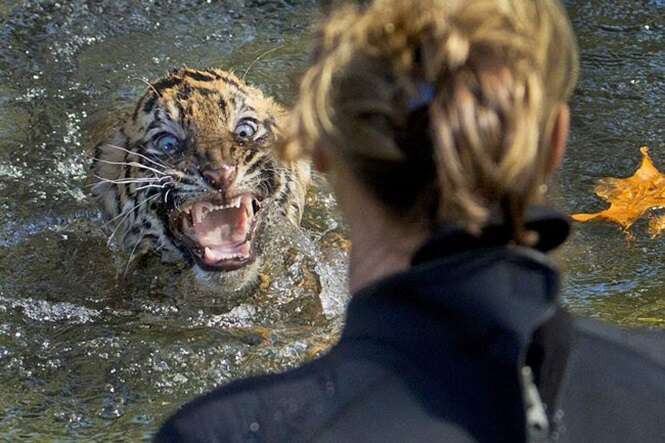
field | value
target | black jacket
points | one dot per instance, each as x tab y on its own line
445	352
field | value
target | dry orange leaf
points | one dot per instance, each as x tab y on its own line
631	197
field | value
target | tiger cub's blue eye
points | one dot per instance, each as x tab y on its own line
246	128
169	144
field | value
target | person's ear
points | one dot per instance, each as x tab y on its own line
559	136
320	159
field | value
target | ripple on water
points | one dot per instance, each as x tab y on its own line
44	311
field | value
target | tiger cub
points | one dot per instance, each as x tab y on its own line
191	174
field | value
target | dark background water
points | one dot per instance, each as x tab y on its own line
86	354
617	107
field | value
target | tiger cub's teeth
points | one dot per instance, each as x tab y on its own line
236	203
198	216
209	253
233	204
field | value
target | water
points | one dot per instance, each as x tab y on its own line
89	354
618	107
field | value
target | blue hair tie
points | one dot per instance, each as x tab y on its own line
425	94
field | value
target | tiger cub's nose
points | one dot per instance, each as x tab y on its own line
220	177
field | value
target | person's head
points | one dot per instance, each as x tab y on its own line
446	111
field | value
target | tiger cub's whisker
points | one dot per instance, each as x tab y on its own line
154	186
130	181
126	215
138	165
155	162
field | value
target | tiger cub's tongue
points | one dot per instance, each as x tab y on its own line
221	227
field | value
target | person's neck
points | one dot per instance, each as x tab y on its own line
379	249
380	244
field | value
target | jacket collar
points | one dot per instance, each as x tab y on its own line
551	226
464	292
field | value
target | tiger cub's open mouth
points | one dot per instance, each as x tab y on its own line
219	233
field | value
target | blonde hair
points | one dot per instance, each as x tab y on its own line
443	108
